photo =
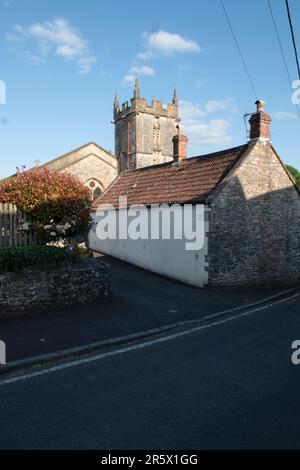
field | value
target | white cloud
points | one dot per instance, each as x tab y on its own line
208	133
200	129
12	37
128	79
190	111
32	58
284	115
85	64
213	106
166	44
60	37
135	70
142	70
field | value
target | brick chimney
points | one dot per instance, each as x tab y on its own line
179	147
260	123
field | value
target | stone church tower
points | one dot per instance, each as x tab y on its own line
144	134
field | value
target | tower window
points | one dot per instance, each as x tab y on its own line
124	161
156	136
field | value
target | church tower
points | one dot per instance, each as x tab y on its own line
144	133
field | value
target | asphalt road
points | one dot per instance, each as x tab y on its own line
230	386
140	300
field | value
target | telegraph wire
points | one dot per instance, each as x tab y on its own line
282	51
293	36
239	49
280	43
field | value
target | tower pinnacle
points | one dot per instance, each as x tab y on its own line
175	98
136	89
116	102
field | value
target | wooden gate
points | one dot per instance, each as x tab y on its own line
15	227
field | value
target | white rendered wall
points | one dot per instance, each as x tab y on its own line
166	257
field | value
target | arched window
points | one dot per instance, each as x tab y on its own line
156	136
97	193
95	188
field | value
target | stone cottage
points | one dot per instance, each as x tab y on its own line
251	208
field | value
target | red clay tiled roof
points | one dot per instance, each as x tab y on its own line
188	181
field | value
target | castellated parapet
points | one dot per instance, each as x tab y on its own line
144	133
140	105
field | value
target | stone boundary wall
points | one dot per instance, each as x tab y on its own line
35	289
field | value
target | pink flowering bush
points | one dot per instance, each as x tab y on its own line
58	203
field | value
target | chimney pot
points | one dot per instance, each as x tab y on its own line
260	105
260	123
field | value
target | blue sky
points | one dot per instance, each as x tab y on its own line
62	60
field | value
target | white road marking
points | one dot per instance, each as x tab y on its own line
136	347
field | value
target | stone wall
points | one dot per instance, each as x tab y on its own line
148	144
254	236
57	287
88	162
92	167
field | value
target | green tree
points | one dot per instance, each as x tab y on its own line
295	174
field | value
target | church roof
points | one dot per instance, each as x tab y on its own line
188	181
78	154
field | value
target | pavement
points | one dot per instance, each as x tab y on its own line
228	384
140	301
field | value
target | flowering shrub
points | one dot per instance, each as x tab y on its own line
58	203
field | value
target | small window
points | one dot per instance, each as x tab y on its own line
97	193
95	188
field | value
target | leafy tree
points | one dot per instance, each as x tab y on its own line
58	203
295	173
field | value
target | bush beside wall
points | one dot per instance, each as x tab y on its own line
14	258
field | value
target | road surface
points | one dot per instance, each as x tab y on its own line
230	385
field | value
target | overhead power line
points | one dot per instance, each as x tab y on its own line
239	49
280	43
293	36
282	51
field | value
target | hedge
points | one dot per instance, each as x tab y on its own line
16	258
